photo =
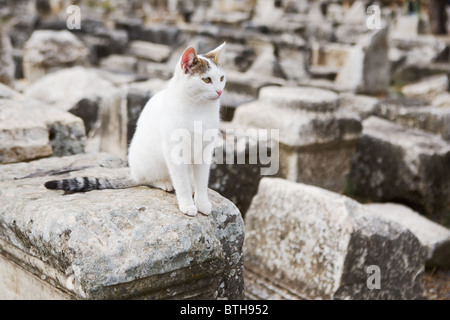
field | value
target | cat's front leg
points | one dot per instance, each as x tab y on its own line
201	177
181	182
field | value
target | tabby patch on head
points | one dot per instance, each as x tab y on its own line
200	67
193	64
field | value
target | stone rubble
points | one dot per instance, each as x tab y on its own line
360	111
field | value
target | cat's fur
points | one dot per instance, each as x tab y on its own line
187	99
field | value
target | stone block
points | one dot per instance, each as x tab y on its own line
149	51
434	237
31	130
304	242
428	88
362	105
119	63
312	130
48	50
416	114
366	69
241	156
115	244
396	163
85	93
7	63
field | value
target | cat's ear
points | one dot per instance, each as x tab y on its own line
214	54
188	59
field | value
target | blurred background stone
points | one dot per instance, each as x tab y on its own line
360	111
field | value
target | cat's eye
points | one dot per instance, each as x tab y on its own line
206	80
221	78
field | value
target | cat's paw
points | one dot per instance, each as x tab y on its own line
190	210
204	206
164	185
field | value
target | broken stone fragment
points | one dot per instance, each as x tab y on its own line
434	237
31	130
304	242
49	50
396	163
115	244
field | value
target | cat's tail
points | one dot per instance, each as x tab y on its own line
84	184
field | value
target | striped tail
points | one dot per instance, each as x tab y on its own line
84	184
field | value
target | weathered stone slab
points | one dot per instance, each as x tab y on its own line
119	63
149	51
395	163
48	50
116	244
242	157
304	242
305	98
88	95
31	130
308	136
7	65
364	106
434	237
428	88
366	69
419	55
416	114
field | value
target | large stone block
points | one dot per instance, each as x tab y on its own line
242	158
48	50
416	114
303	242
395	163
115	244
366	69
31	130
149	51
428	88
85	93
312	131
434	237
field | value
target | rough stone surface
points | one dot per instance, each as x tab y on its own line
117	244
416	114
306	138
85	93
119	63
239	164
395	163
304	242
300	98
428	88
364	106
7	65
149	51
31	130
366	69
48	50
434	237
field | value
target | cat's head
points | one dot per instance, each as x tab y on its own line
201	76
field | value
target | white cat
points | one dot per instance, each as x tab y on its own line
192	96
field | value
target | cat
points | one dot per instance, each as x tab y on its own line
191	96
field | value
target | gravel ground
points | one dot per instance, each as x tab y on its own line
437	284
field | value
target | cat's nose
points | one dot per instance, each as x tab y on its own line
219	92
